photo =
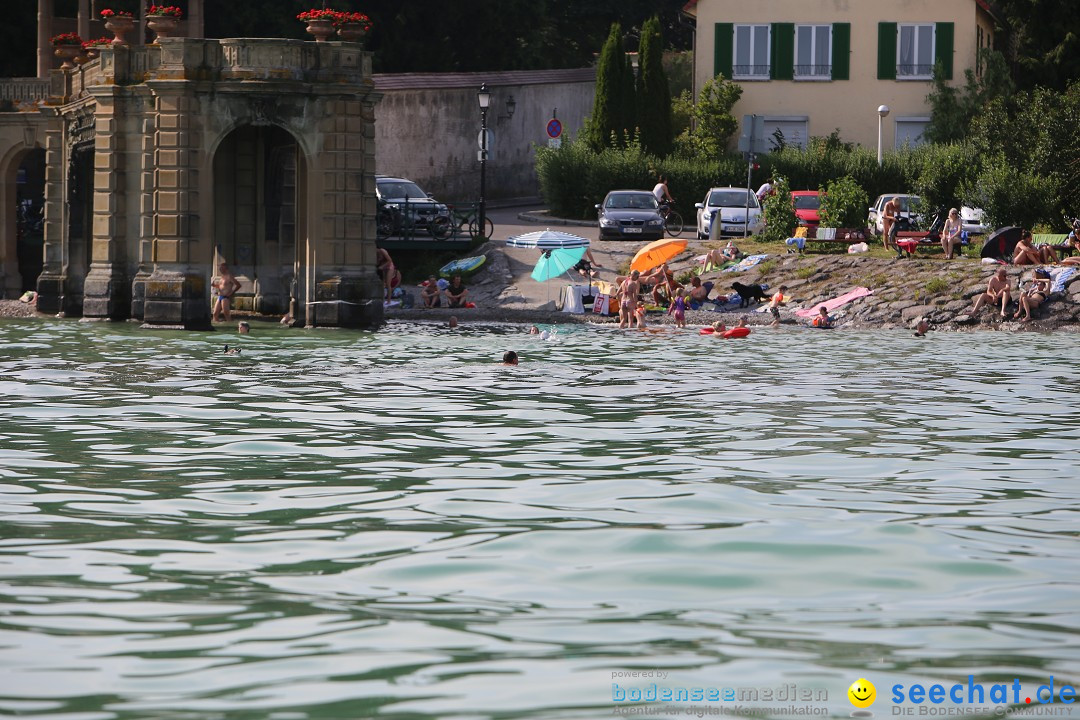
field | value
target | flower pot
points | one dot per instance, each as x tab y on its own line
119	26
67	53
352	32
163	25
93	52
322	29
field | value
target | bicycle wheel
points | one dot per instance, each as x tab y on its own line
440	228
384	224
474	228
674	224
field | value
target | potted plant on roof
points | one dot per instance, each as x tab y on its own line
119	23
67	47
352	26
163	19
320	23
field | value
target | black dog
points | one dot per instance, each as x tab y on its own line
748	293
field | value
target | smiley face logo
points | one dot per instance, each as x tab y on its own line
862	693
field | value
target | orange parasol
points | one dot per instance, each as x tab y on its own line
657	253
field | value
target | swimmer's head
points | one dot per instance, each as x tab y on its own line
510	358
718	326
453	321
243	328
534	330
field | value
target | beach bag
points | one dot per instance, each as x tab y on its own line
602	305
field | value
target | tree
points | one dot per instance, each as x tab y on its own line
952	110
843	204
780	218
715	123
606	119
653	96
1044	41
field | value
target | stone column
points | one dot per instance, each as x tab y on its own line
84	19
50	284
44	32
195	19
342	231
106	291
176	291
145	249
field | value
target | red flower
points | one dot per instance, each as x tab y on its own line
353	18
108	13
314	14
97	43
166	10
66	39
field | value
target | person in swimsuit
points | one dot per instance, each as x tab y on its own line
1028	254
1035	296
775	305
678	308
431	294
950	234
628	295
997	292
823	319
389	274
586	264
225	286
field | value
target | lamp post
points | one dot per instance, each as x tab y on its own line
483	97
882	111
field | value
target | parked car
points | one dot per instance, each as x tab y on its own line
630	214
807	205
973	220
731	205
418	209
908	219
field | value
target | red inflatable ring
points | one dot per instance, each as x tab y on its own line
737	332
706	331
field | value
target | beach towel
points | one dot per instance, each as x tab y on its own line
746	263
1060	276
830	305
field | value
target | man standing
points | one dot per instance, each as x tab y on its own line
890	215
225	286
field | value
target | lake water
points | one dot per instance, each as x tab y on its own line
338	524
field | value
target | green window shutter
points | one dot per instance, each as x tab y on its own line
886	51
782	52
841	51
723	49
943	47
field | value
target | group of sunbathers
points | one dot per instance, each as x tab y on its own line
999	295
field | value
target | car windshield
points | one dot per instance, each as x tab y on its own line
807	202
633	201
732	198
905	202
400	189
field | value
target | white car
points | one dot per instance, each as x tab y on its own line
729	206
876	219
973	220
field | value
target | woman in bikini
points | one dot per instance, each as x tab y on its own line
1035	296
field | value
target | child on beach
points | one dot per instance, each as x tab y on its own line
775	304
823	319
678	308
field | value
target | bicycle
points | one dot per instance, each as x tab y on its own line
673	222
390	219
467	221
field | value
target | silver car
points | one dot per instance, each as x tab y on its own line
729	206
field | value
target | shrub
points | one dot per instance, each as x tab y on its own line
715	123
844	204
780	218
1011	196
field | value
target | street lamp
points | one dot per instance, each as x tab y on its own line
882	111
483	97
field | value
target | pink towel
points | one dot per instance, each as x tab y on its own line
835	302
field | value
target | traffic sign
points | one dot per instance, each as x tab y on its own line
555	143
554	128
490	139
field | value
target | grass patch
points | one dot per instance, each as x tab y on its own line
937	285
766	267
806	272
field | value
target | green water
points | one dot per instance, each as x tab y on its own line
346	525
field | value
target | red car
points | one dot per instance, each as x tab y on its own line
807	203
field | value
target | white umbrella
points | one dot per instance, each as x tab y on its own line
547	240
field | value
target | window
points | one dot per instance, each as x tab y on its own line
751	52
915	52
789	130
909	131
813	52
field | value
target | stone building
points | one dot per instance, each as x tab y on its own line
161	161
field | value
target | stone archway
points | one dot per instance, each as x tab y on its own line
21	221
259	173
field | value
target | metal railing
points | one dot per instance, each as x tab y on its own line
813	71
750	71
914	70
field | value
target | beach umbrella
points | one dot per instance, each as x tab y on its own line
554	263
657	253
547	240
1001	243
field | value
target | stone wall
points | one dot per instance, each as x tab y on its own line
426	127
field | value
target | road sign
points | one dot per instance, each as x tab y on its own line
481	155
554	128
490	139
753	138
555	143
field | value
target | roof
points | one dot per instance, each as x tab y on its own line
417	81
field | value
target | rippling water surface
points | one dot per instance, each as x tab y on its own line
346	525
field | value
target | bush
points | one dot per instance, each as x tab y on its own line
844	204
715	123
1010	196
780	218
